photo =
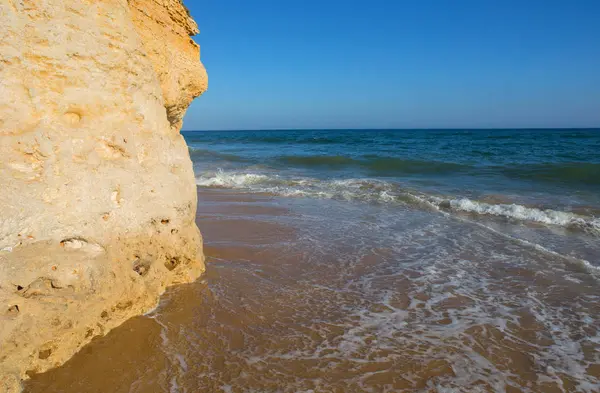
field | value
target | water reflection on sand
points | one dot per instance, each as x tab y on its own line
327	296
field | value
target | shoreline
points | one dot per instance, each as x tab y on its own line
144	335
288	299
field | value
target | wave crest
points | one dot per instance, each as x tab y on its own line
379	191
524	213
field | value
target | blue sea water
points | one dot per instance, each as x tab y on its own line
495	232
540	185
471	170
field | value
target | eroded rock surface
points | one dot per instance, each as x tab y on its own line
97	192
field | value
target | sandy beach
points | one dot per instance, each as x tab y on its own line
273	314
374	197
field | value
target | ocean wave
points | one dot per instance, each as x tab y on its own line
406	166
274	137
351	189
571	173
318	161
301	139
197	153
521	213
375	164
474	162
379	191
587	173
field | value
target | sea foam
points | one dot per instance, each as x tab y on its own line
379	191
524	213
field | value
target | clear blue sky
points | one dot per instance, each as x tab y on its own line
397	64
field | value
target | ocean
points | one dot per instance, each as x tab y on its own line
376	261
544	183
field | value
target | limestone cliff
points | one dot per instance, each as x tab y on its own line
97	192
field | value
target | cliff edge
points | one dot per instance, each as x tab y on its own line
97	191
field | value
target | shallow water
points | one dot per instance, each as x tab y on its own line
549	177
323	278
332	296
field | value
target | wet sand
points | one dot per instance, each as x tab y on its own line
281	311
132	358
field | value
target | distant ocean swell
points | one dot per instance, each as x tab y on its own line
379	191
375	164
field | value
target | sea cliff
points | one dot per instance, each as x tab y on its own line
97	191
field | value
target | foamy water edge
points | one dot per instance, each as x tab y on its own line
372	190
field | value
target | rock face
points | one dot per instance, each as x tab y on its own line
97	192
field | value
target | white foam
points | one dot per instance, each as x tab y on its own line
230	180
348	189
362	310
378	191
523	213
373	190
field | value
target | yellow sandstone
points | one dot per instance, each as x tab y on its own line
97	191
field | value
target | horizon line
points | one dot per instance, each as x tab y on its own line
399	129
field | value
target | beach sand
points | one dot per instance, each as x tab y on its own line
278	311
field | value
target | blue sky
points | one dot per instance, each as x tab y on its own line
397	64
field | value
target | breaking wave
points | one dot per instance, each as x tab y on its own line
379	191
